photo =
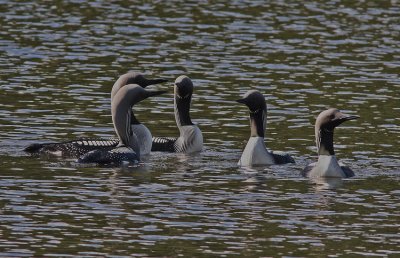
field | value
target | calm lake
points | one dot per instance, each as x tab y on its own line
59	60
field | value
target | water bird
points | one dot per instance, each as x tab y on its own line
190	137
128	149
76	148
255	152
140	130
327	164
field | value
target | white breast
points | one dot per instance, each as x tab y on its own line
327	166
144	137
190	139
256	153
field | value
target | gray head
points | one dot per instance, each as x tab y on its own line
133	78
330	118
255	101
183	87
183	90
121	109
325	124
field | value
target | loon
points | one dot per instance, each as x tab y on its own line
190	139
76	148
327	164
128	149
139	129
255	152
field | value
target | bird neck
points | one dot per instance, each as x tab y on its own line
182	110
134	120
123	129
258	123
122	126
324	139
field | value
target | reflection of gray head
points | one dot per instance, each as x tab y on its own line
254	100
121	108
133	78
183	87
324	125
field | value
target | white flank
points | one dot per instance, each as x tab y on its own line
327	166
144	137
190	139
56	153
256	153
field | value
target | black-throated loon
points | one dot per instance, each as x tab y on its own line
190	139
139	129
255	152
128	149
327	164
76	148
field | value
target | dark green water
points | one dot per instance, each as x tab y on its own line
59	60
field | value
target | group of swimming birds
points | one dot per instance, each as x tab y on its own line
134	138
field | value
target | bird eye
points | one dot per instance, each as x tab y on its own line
332	116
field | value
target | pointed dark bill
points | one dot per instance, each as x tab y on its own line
155	93
155	81
347	118
242	101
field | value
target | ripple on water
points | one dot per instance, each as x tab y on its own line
59	61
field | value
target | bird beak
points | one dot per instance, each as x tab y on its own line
347	118
155	81
242	101
343	118
154	93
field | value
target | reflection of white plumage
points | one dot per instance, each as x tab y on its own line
255	152
327	164
190	138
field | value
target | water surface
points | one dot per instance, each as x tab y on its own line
59	60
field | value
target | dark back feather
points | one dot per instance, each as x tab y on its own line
105	157
347	171
73	149
166	144
282	158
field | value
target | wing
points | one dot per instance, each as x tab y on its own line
347	171
115	156
73	148
282	157
166	144
306	171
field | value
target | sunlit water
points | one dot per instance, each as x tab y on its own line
59	60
